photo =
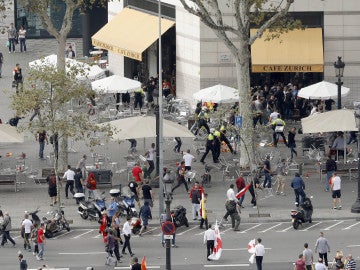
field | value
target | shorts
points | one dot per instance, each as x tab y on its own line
281	179
336	194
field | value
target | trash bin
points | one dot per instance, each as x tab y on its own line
102	176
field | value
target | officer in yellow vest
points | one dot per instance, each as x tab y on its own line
209	145
138	98
217	146
202	120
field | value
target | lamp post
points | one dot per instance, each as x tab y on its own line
339	72
168	181
355	208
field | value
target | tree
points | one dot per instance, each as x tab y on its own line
41	8
260	14
49	90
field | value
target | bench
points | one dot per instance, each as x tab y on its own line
9	179
45	172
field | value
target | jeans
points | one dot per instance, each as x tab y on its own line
267	180
241	198
299	192
181	180
22	44
26	241
209	247
151	167
259	262
6	236
323	256
41	250
329	174
12	44
69	183
127	244
196	210
41	149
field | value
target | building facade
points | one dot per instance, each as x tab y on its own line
203	60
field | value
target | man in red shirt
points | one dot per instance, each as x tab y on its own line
240	184
137	172
300	263
41	242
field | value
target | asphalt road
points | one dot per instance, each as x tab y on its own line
83	247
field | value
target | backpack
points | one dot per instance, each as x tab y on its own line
230	206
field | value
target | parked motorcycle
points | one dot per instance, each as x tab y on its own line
90	209
56	224
179	217
303	214
125	204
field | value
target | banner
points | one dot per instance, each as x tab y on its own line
217	246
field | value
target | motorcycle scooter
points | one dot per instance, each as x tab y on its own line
90	209
56	224
180	218
303	214
125	204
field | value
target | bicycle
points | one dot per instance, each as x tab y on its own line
206	177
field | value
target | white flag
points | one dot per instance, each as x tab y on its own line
217	245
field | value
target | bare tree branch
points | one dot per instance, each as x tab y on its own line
271	21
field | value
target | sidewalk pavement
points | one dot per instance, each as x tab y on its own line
32	195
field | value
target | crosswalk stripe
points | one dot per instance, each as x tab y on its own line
78	236
306	229
250	228
272	227
332	226
349	227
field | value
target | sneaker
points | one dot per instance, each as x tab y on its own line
339	207
38	258
174	246
132	254
282	194
277	193
334	207
124	253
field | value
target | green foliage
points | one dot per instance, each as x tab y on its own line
51	91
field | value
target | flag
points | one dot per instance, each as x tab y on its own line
216	254
203	206
251	246
242	192
143	263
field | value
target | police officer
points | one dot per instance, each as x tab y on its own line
278	125
223	138
217	146
209	145
138	99
203	118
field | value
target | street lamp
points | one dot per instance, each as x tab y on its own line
168	181
339	72
355	208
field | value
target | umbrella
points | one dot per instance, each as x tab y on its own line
322	90
218	94
91	72
115	84
332	121
145	127
9	134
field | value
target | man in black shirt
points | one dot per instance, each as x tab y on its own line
147	193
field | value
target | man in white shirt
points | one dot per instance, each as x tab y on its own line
319	265
150	158
336	191
230	196
259	253
27	226
69	175
127	235
209	241
188	158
